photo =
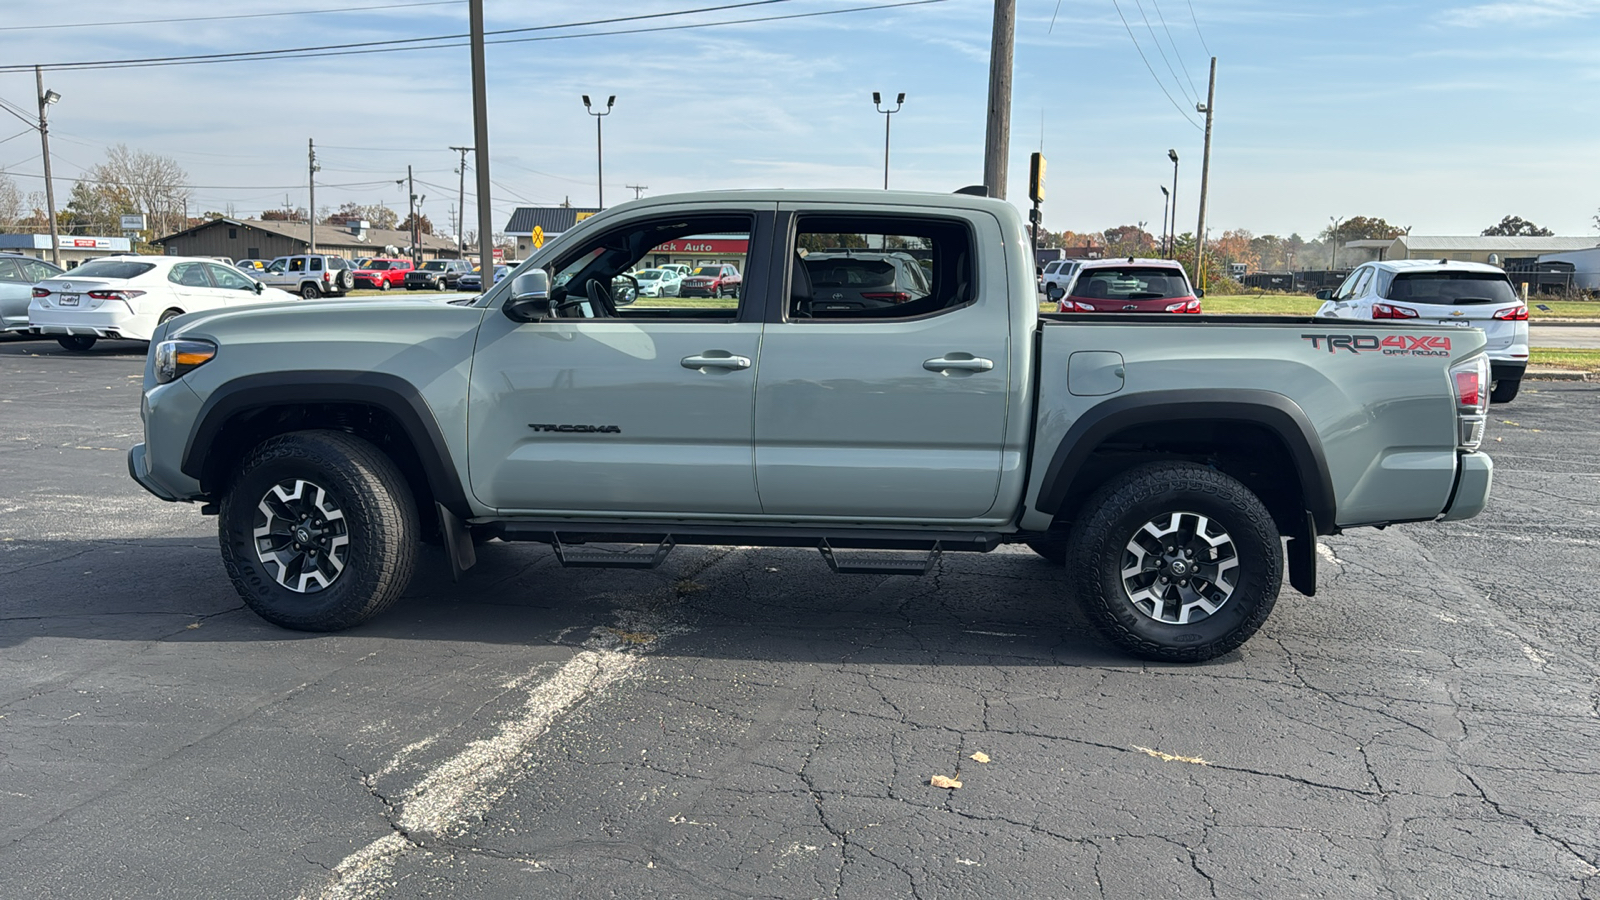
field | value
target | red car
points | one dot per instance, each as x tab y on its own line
1132	285
383	273
711	281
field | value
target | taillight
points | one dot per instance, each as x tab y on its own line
115	295
41	292
891	296
1512	314
327	276
1390	311
1470	381
1076	306
1184	306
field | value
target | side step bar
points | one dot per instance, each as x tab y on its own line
597	558
880	566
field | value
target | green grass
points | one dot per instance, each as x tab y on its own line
1564	358
1564	309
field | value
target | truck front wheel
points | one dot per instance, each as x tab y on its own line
318	531
1176	562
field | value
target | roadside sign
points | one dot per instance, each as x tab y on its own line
133	222
499	254
1036	177
538	237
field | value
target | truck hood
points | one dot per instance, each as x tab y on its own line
314	321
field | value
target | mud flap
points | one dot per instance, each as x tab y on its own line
457	543
1302	557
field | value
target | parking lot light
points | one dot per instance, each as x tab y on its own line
599	146
877	103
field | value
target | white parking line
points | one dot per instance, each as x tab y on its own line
463	787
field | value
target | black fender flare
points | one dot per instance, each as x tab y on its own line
390	393
1278	414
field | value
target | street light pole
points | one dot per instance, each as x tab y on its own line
1333	238
1164	198
599	146
877	103
45	99
1172	245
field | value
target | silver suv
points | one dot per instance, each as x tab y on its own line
310	276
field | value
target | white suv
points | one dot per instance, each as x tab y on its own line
1442	292
310	276
1057	277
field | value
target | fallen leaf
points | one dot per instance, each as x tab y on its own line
192	626
980	756
1168	757
939	781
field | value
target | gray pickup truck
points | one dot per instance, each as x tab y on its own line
1163	459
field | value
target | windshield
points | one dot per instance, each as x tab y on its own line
711	271
1130	283
110	268
650	275
1452	288
437	265
378	265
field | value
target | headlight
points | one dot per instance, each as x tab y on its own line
175	358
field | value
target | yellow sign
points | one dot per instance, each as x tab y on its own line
538	237
581	216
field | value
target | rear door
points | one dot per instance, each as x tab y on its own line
886	412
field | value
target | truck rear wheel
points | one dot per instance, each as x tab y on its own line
318	531
1176	562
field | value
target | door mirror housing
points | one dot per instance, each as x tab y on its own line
624	290
1325	294
1199	292
530	297
258	285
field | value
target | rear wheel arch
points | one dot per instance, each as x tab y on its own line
382	409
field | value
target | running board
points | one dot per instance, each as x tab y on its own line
595	558
880	566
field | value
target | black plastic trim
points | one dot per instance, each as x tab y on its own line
854	538
390	393
1506	369
1275	412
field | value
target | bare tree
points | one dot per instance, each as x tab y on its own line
144	182
11	203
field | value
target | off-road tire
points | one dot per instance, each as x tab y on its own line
1052	547
1505	390
310	291
1114	516
380	516
77	343
347	280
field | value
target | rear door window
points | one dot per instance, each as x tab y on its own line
879	267
10	271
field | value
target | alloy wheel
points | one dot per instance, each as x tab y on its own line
1179	568
301	536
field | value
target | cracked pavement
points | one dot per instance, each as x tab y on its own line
743	723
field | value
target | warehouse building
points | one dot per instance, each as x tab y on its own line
256	239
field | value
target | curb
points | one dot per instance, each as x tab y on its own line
1543	374
1593	323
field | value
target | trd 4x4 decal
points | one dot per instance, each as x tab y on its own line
1388	345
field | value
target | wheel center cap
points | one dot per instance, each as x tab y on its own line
1179	567
302	535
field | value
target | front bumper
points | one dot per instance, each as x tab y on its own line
1473	480
139	469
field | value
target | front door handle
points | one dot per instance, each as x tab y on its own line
964	362
716	359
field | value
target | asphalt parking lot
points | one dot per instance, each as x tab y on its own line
742	723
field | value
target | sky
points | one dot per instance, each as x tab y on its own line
1441	115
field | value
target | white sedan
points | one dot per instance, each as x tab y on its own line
126	297
659	282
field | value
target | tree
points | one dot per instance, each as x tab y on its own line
286	214
1361	228
93	207
11	205
1516	226
422	222
375	214
137	181
1129	240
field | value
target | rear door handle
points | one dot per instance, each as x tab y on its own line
716	359
961	361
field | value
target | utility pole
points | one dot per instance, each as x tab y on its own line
480	140
311	179
638	189
461	203
997	134
45	99
411	190
1205	174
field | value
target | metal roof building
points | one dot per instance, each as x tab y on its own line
1480	248
550	220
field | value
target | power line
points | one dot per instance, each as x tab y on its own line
1176	52
1175	80
1197	28
202	187
1181	111
254	54
303	12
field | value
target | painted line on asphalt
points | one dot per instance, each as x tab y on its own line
453	794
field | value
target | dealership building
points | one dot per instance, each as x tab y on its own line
533	225
75	248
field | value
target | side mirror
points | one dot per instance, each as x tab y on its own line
624	290
1325	294
530	297
1199	292
259	286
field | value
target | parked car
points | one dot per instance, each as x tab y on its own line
1130	285
682	269
1057	276
252	266
18	275
661	282
437	275
711	281
863	279
128	297
310	276
1439	292
1162	462
473	281
382	273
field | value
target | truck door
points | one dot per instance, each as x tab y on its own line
641	408
882	395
